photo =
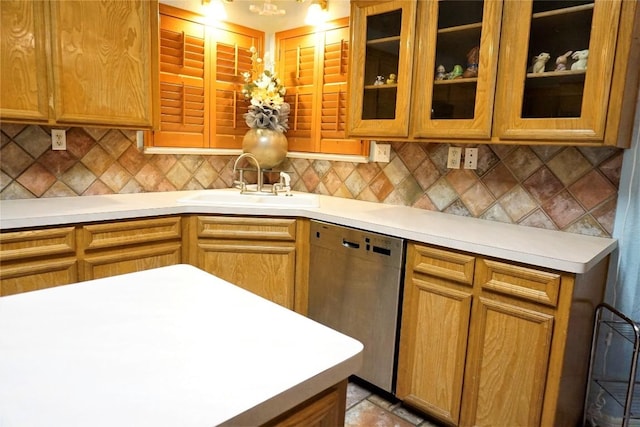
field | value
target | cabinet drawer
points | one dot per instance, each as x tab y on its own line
35	243
443	264
246	228
99	236
25	276
526	283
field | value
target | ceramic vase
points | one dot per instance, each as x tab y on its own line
267	145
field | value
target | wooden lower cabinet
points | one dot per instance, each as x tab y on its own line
127	246
326	409
490	343
255	253
37	259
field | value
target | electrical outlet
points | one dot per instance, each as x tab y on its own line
380	152
58	139
453	161
470	158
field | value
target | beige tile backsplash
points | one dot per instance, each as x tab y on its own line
573	189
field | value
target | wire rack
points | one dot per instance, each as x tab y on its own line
610	320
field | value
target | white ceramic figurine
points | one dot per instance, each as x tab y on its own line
581	59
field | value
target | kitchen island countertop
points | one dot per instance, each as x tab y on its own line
570	252
172	346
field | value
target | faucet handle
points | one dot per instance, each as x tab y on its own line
284	184
285	179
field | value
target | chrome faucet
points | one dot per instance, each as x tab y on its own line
240	183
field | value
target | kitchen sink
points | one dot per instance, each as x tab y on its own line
235	198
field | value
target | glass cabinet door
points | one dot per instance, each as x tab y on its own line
555	69
457	58
381	67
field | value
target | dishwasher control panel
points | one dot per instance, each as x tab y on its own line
360	243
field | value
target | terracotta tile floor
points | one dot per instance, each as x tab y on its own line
367	409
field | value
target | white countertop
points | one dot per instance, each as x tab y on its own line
173	346
557	250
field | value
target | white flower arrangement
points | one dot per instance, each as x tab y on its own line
265	92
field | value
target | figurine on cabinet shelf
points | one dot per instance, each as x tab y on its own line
539	62
456	73
441	73
472	63
392	79
581	59
379	81
561	61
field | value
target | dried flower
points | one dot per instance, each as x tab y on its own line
265	92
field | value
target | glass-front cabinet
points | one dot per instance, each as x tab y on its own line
556	68
456	66
495	71
381	67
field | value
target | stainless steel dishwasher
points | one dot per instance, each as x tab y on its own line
354	287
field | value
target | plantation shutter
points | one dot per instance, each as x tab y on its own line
182	89
296	62
232	59
333	104
314	68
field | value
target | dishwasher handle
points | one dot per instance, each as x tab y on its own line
348	244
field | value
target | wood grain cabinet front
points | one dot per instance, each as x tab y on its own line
112	248
79	62
37	259
493	71
255	253
486	342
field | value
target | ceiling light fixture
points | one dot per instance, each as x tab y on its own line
267	9
317	13
215	9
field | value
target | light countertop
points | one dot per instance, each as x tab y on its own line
573	253
173	346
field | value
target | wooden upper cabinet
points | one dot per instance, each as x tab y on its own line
567	104
507	102
79	62
382	35
313	65
102	62
23	61
201	66
456	33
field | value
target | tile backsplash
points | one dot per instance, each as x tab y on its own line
572	189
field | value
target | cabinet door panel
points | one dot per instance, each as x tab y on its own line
508	357
23	61
264	268
433	347
461	107
102	62
382	44
553	105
